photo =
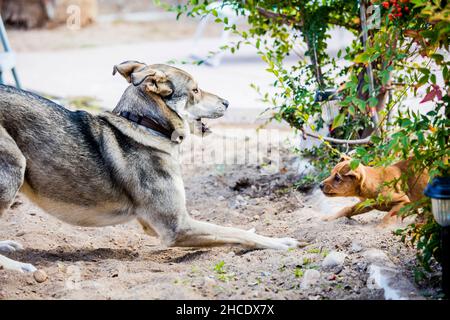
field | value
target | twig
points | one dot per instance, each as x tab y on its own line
366	140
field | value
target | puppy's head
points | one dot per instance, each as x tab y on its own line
177	88
343	181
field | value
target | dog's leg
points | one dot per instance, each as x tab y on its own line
193	233
392	216
11	246
16	265
147	228
349	212
12	170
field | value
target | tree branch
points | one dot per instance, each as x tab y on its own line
366	140
289	20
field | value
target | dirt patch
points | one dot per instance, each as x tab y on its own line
122	262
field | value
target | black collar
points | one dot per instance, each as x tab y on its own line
147	122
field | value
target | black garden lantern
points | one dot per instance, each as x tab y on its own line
439	192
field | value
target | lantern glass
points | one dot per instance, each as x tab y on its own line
441	211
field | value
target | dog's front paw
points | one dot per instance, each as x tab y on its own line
285	243
10	264
10	246
26	267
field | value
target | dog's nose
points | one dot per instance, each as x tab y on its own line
225	103
321	186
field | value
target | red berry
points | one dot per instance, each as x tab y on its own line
385	4
399	9
406	9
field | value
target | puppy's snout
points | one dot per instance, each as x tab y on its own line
225	103
321	186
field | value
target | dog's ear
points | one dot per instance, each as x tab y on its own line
127	68
359	173
344	157
155	81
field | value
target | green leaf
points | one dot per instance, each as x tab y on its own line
338	121
354	163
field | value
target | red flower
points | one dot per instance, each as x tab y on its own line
385	4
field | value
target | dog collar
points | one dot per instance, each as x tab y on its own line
146	122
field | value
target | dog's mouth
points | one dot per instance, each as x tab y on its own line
329	194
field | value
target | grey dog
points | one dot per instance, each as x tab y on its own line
110	168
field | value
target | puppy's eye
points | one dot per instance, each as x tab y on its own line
195	90
337	178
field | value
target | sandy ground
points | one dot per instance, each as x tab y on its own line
121	262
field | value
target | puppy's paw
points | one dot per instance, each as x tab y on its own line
10	246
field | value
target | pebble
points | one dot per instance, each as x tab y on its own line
334	258
220	198
356	247
40	276
310	277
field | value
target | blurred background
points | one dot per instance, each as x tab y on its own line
71	60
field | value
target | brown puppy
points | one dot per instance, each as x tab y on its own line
386	183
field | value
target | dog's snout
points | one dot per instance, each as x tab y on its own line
321	186
225	103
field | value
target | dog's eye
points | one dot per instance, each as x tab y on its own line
337	178
195	90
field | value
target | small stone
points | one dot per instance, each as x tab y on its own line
310	277
356	247
20	234
220	198
40	276
334	258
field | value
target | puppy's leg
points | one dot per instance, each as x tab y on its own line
349	212
12	170
392	216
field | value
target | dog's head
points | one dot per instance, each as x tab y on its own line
343	181
177	88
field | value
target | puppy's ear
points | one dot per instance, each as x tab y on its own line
344	157
359	173
127	68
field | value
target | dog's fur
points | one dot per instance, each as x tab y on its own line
104	170
398	185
